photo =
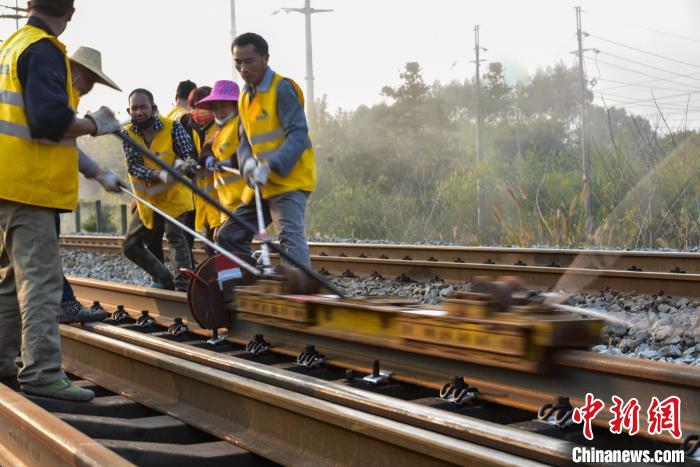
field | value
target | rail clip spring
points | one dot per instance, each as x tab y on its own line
178	328
458	392
691	446
557	413
145	320
258	346
311	358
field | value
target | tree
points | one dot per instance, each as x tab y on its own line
413	89
497	104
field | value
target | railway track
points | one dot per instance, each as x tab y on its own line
675	274
111	430
501	421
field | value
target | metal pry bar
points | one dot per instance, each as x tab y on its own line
249	227
209	243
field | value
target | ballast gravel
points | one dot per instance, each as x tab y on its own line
658	327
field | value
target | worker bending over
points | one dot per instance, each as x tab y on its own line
171	143
39	160
86	70
275	151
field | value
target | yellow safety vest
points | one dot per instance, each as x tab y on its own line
177	113
265	133
37	172
230	187
173	199
206	214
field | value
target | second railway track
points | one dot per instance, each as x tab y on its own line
675	274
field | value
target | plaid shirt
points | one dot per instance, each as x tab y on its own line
182	145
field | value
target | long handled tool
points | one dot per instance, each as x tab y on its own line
201	237
267	264
246	225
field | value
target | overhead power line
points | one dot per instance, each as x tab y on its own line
675	75
660	78
633	98
640	84
618	19
642	51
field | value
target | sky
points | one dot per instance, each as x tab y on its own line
362	45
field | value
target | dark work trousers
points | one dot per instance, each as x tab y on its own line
286	211
180	255
189	222
68	294
154	243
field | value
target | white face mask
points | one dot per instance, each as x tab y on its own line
228	118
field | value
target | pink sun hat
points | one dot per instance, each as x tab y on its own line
223	90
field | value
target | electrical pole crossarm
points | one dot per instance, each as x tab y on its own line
307	11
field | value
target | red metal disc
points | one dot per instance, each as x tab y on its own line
209	293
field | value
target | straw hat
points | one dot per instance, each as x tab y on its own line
92	60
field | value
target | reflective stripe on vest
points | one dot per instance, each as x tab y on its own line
229	186
174	199
36	172
265	133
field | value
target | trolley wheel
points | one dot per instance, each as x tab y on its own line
211	288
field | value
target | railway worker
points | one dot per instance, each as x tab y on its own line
39	160
86	70
181	110
275	151
170	141
223	104
204	130
182	105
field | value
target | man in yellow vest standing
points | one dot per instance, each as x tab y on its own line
177	114
170	141
39	160
182	104
275	151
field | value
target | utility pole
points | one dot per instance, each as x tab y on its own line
516	109
477	92
307	11
234	34
585	147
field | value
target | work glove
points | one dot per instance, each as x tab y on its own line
182	166
105	121
211	164
165	177
255	172
110	181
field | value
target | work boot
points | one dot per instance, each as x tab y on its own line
160	285
62	389
73	312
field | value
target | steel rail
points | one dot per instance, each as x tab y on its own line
29	435
574	373
544	277
504	439
281	425
622	260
